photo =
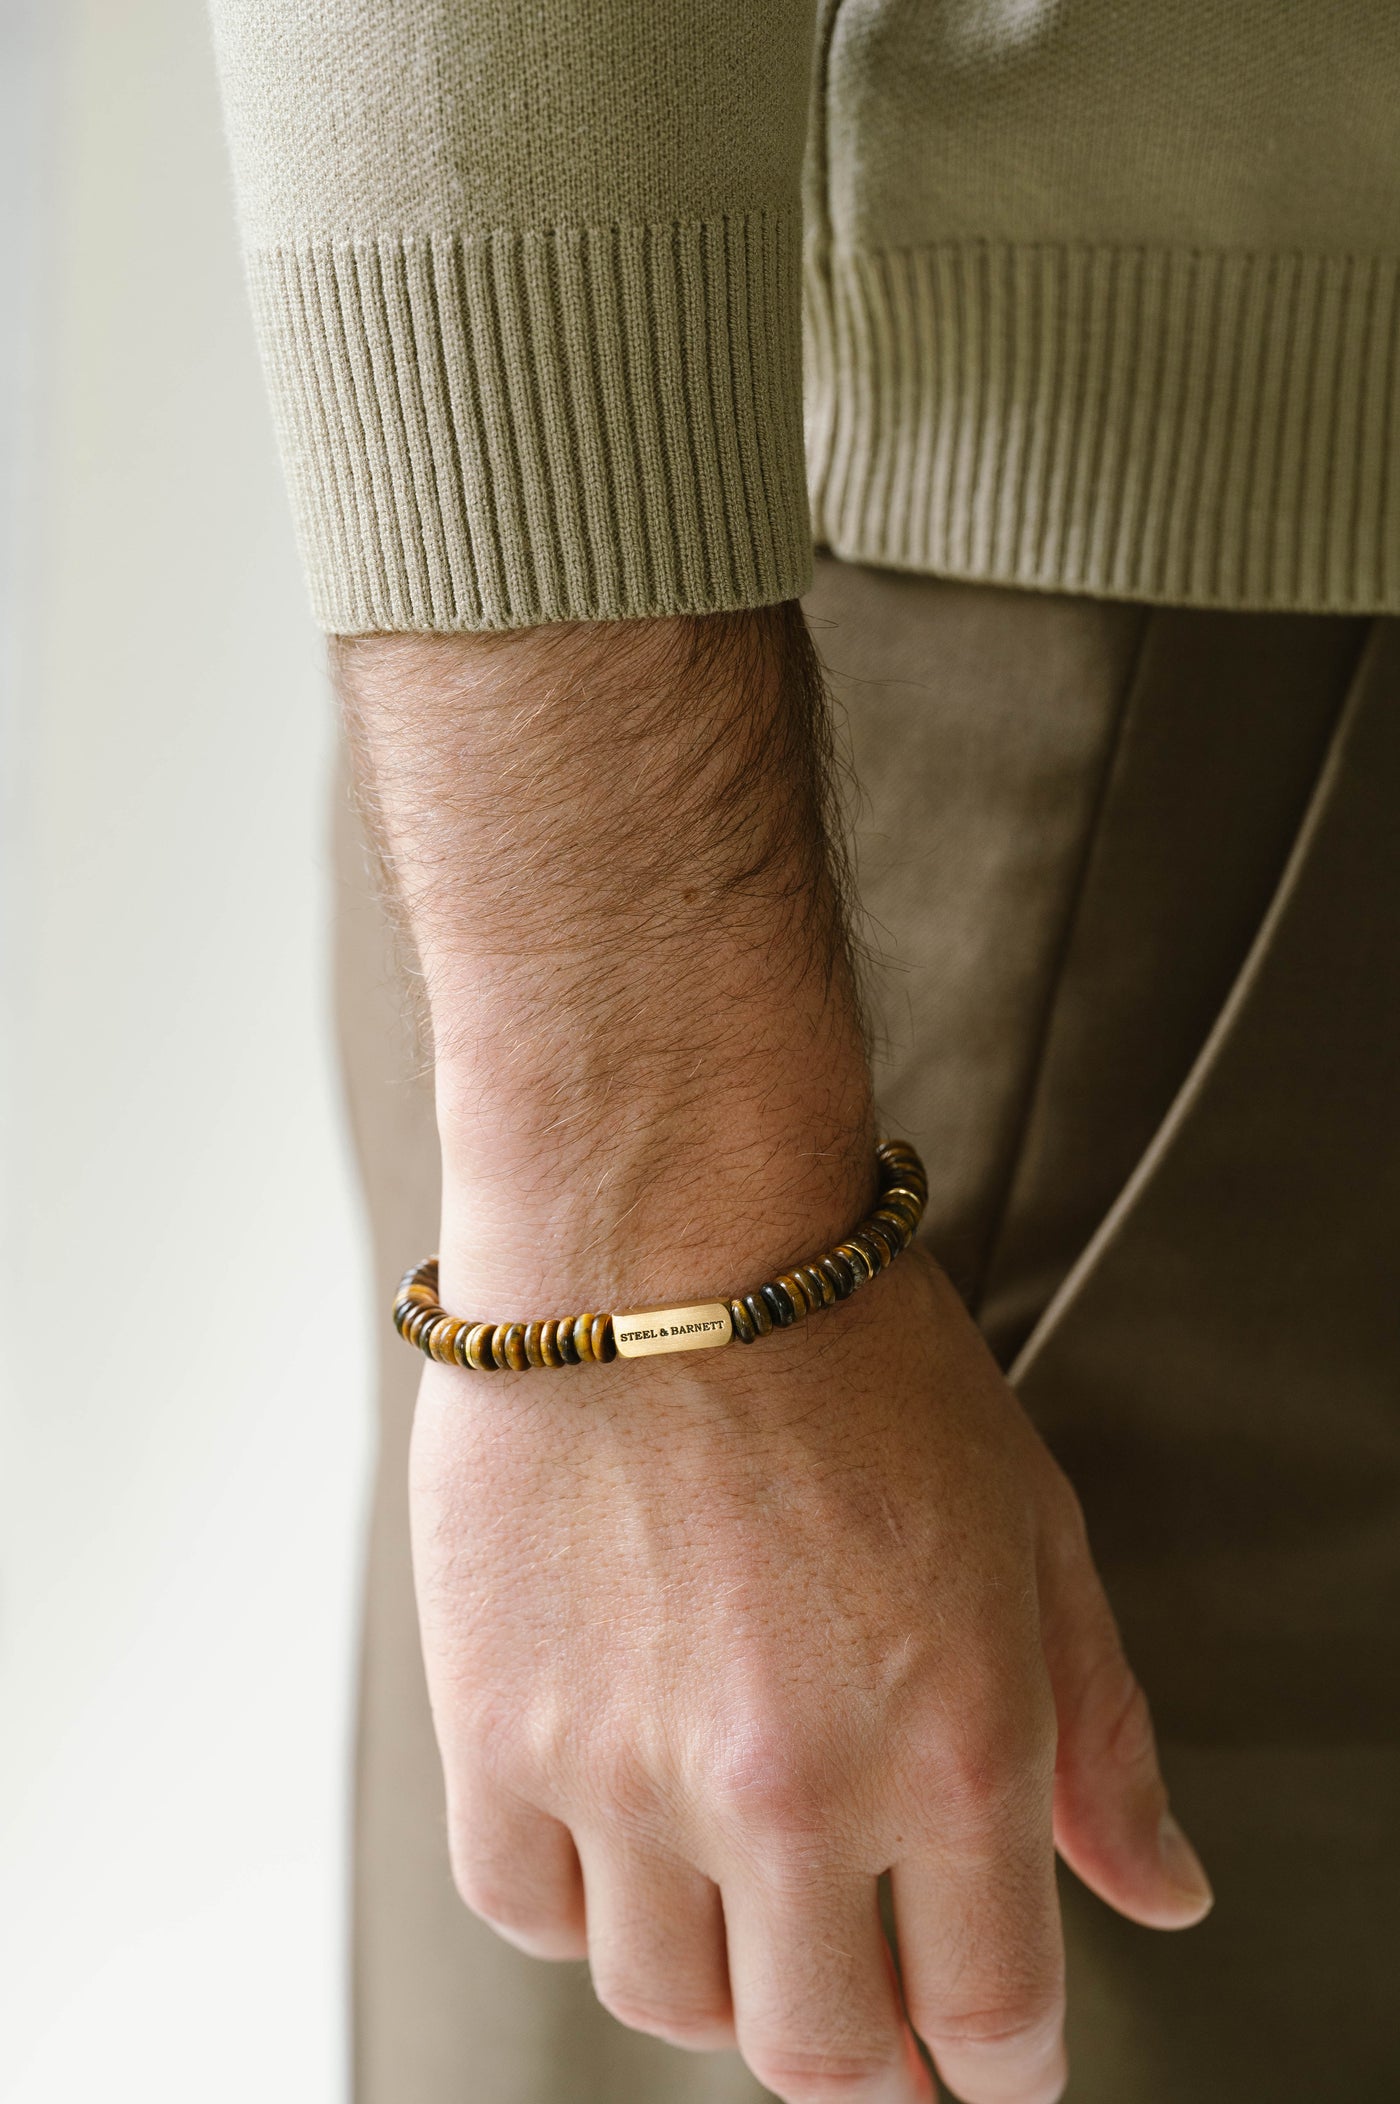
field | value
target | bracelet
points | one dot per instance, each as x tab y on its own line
578	1340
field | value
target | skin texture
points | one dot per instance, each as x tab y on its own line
715	1641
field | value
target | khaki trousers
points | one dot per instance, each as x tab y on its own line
1134	875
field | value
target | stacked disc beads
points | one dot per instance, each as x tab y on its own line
492	1347
839	1272
581	1340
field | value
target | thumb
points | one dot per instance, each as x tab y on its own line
1113	1825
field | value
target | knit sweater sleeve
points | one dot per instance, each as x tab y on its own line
525	276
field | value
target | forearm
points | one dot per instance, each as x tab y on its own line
614	851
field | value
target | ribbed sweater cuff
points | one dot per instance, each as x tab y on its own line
579	423
1203	429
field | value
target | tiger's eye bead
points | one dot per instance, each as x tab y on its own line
796	1293
817	1287
549	1346
511	1342
851	1253
896	1224
758	1314
843	1279
419	1323
442	1339
600	1339
497	1347
533	1355
564	1341
781	1309
882	1239
583	1338
866	1250
744	1331
478	1346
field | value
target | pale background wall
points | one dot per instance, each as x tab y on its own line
183	1449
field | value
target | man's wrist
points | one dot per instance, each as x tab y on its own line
612	851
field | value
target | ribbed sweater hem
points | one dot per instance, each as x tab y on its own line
1208	429
580	423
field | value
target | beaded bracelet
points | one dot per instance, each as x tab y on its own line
577	1340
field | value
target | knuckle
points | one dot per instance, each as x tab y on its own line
982	1781
619	1784
699	2028
767	1780
1129	1736
1113	1711
809	2075
1024	2026
515	1913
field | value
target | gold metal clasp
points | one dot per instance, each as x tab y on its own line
644	1331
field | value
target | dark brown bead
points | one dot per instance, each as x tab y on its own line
796	1293
838	1270
896	1224
759	1314
869	1249
781	1309
479	1346
564	1341
583	1338
600	1339
744	1331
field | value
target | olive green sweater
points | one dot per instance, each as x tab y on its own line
1086	295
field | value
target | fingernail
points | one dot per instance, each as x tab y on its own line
1182	1865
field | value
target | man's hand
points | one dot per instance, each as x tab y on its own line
714	1641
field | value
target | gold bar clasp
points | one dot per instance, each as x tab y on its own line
698	1328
